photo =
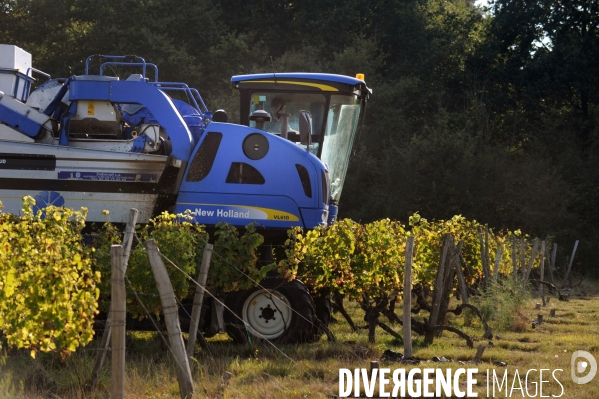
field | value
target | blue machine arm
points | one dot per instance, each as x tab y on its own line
131	92
53	108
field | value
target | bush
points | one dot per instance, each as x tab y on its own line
48	293
501	301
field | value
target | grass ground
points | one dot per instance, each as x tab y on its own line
263	372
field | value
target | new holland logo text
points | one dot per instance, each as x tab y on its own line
242	212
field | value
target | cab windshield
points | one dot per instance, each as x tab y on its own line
341	124
334	123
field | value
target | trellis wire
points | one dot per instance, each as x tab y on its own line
224	306
259	285
239	318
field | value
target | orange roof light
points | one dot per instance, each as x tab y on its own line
360	76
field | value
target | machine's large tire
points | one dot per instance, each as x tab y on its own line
324	309
282	312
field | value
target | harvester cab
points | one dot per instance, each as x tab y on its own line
318	112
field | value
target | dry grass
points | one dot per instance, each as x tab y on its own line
520	323
262	372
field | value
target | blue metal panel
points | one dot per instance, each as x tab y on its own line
282	189
314	217
91	90
19	122
333	210
65	124
53	109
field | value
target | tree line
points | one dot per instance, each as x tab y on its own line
489	112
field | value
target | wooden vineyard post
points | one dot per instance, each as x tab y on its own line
453	261
497	261
101	355
484	255
118	309
169	308
522	256
461	281
542	272
226	378
438	289
551	264
407	299
128	236
570	264
198	299
487	257
479	353
374	365
533	255
514	260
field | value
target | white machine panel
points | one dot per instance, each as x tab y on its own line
13	57
9	134
13	61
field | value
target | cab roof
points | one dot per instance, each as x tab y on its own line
289	77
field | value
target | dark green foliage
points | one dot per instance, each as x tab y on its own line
489	115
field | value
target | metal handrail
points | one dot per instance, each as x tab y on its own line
178	86
128	58
131	64
27	85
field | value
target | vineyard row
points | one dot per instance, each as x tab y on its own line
53	285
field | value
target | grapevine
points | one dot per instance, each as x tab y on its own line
235	265
48	297
178	240
49	294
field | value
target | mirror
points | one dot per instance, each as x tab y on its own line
260	117
305	128
220	115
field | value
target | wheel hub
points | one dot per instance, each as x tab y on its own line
267	313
